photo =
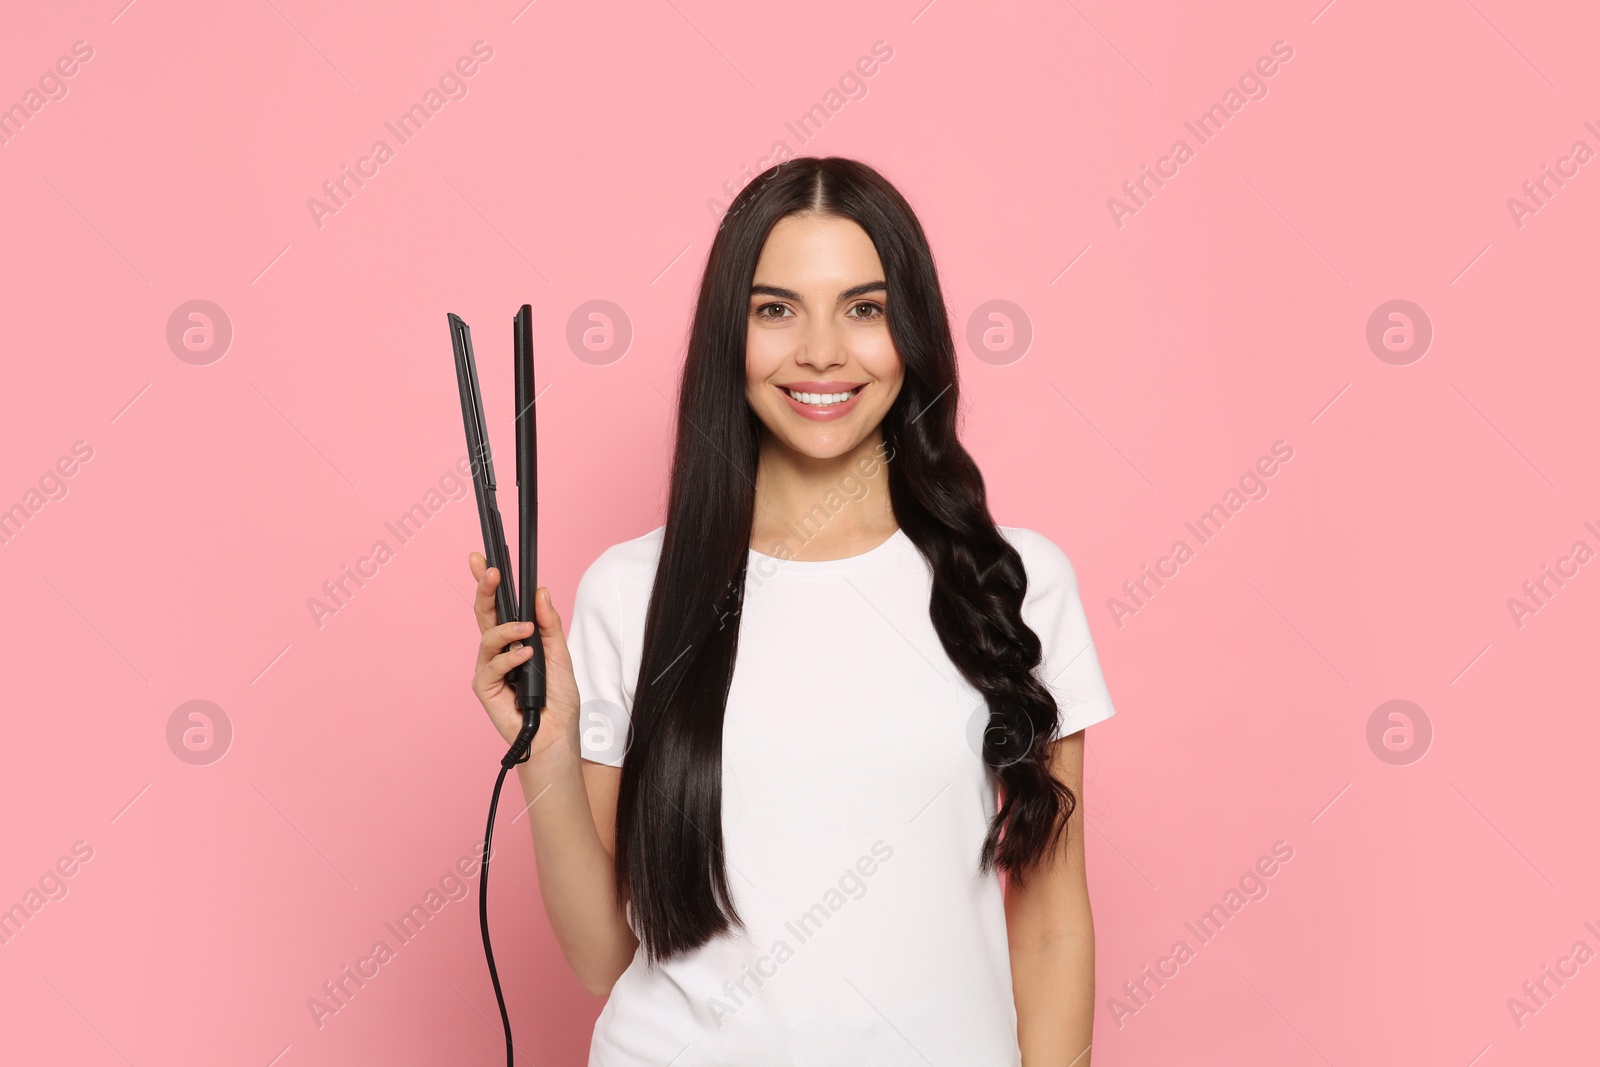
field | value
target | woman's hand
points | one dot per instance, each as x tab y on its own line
558	722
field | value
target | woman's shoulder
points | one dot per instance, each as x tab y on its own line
1042	558
1052	579
635	554
625	566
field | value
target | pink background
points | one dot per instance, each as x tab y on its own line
1228	313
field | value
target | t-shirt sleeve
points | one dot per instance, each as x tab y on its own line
1052	608
594	641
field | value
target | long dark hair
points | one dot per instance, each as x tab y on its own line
669	843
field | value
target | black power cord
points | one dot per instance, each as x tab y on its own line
518	753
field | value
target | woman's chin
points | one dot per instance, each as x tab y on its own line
818	442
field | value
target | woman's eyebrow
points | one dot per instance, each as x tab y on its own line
789	294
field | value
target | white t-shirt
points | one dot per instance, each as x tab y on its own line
854	804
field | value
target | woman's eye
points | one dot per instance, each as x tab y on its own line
871	307
762	311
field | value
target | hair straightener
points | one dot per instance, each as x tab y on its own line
528	678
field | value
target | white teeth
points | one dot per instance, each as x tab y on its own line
821	399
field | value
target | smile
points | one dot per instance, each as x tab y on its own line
823	399
822	406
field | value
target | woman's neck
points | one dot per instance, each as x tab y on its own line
818	509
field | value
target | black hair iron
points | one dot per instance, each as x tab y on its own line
528	679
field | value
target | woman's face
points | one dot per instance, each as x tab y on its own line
821	370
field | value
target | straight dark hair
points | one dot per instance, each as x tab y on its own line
669	843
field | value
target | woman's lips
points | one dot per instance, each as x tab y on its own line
822	413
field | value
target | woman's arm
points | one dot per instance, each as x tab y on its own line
1051	934
571	802
572	810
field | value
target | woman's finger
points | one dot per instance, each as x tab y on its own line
495	669
561	686
488	581
497	637
550	632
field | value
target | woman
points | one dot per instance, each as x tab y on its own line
770	832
